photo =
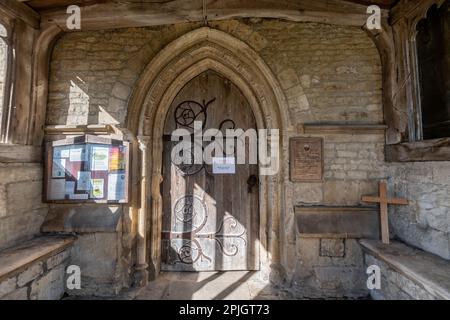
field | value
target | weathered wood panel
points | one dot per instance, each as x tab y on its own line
210	220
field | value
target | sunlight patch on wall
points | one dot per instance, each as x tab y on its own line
78	112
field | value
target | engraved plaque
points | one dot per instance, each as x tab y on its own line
306	159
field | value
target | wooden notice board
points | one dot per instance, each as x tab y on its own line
87	169
306	159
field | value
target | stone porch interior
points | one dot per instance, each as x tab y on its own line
337	81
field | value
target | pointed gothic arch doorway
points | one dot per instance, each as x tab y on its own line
192	54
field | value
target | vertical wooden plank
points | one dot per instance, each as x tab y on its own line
384	213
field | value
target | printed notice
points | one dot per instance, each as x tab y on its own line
77	154
224	165
59	168
57	189
60	152
84	180
116	186
97	188
75	196
100	157
70	187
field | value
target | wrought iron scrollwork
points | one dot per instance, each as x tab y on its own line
191	210
187	112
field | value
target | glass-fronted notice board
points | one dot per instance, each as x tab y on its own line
87	169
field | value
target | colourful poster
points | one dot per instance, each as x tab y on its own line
97	188
116	159
100	159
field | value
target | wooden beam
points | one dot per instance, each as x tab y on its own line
426	150
18	10
126	14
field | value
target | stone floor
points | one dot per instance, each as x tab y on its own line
243	285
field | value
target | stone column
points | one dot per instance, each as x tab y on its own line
141	270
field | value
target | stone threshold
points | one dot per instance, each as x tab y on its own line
428	271
16	259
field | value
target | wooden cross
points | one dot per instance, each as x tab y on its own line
383	200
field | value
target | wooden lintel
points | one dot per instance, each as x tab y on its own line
18	10
122	14
70	130
426	150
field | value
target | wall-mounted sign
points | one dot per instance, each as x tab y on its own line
87	169
306	159
224	165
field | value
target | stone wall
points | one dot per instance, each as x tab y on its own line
425	223
353	166
330	73
394	285
21	209
42	280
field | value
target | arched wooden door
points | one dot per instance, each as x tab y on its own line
210	220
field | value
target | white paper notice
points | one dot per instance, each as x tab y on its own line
57	189
59	168
224	165
84	180
70	187
116	186
100	157
78	196
76	154
65	152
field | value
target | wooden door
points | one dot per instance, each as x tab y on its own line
210	221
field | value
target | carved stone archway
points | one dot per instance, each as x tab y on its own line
179	62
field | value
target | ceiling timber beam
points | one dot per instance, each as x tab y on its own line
18	10
131	14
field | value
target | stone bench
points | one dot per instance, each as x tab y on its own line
35	269
407	273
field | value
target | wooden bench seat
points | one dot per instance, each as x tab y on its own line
408	273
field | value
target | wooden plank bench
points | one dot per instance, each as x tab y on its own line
35	269
407	273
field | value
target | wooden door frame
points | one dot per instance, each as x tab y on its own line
178	63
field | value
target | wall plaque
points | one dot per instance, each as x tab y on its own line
306	159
